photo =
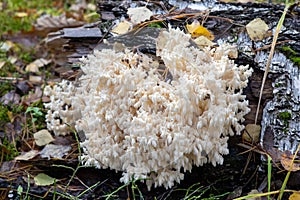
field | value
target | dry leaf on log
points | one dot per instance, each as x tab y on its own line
257	29
139	14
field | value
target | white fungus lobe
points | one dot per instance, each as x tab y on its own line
137	122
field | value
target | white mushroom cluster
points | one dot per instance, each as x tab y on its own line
151	127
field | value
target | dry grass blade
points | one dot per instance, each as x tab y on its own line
279	25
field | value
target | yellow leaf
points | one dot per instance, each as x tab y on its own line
295	196
196	30
10	116
122	28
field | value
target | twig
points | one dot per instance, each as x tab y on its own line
11	79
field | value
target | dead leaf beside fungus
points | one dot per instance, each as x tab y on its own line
139	14
257	29
55	151
203	41
43	137
251	133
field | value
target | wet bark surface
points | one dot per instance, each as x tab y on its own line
69	46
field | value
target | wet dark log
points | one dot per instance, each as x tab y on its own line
70	44
228	21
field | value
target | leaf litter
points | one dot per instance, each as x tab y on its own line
43	137
43	180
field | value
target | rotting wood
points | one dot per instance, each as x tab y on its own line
224	23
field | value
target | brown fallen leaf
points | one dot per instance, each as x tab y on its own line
23	87
10	98
251	133
287	162
34	97
28	155
48	23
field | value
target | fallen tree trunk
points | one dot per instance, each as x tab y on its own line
226	20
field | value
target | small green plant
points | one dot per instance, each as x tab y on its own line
291	54
157	25
4	114
269	175
35	113
36	120
20	190
285	116
5	87
8	150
